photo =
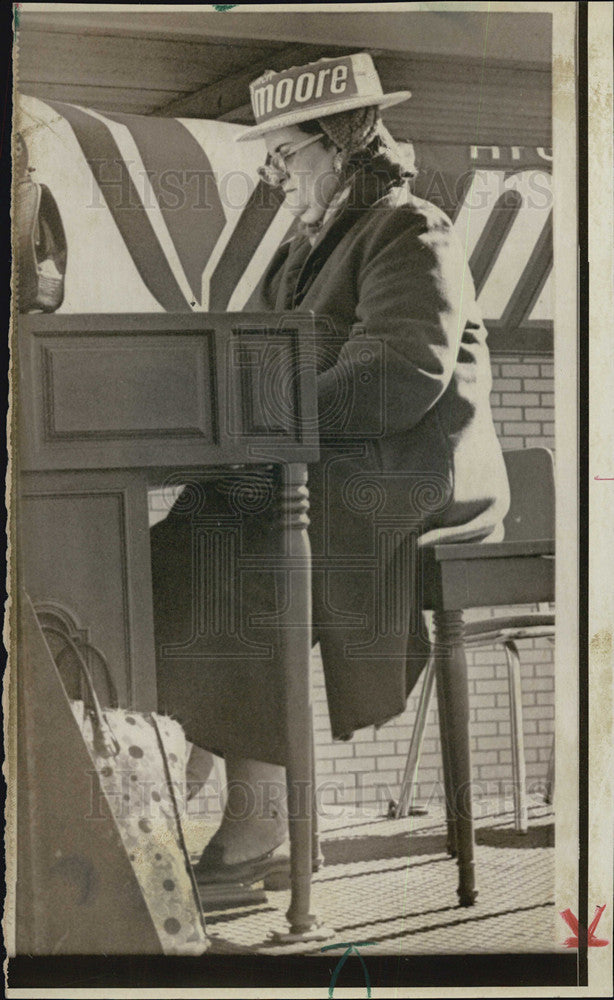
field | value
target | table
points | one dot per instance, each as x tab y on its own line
110	405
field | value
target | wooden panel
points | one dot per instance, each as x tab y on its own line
135	102
112	391
135	63
85	546
170	26
134	389
495	550
76	889
529	338
483	582
482	36
263	378
525	40
457	101
455	97
220	99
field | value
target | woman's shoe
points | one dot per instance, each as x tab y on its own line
212	870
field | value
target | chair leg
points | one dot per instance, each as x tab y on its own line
451	666
417	738
447	768
517	737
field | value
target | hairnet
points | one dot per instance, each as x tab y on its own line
363	138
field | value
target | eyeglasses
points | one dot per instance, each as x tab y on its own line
274	171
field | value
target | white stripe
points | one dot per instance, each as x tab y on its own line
217	140
138	174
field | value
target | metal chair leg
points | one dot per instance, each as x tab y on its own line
415	745
521	820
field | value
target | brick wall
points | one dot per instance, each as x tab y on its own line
523	400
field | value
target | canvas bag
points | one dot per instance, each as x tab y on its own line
140	759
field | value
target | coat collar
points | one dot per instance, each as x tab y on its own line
368	187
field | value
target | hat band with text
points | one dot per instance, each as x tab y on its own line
301	88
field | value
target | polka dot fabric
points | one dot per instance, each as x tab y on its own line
147	812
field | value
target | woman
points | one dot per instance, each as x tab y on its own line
409	453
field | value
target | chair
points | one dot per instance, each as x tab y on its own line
530	517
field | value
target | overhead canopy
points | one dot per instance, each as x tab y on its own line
424	33
482	77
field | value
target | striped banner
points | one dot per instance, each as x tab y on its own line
169	214
160	214
500	199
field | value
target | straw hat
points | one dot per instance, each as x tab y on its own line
320	88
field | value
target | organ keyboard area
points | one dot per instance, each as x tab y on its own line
108	406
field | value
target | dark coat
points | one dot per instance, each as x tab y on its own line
409	456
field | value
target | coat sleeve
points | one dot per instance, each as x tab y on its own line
413	289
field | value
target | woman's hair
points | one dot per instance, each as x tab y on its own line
366	142
312	127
